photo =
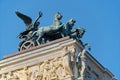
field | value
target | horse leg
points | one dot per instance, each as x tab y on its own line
43	40
62	34
38	40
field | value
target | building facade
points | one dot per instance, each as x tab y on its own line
62	59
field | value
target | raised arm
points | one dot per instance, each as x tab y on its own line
39	15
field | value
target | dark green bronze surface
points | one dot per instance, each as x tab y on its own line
34	36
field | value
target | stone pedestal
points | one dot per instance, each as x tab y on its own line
63	59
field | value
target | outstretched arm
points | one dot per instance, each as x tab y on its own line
40	15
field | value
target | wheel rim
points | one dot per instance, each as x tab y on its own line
27	45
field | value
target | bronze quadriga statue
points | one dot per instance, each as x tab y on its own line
34	36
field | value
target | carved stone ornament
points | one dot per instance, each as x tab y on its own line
57	68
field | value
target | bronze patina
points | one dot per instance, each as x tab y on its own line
34	36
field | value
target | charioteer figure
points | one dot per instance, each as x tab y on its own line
34	36
31	27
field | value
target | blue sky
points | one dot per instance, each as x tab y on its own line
100	18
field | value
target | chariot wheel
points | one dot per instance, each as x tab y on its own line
27	45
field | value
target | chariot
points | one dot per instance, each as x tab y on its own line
34	36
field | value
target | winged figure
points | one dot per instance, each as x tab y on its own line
28	22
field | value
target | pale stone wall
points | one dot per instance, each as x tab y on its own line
63	60
96	71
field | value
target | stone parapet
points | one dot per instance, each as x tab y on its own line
62	59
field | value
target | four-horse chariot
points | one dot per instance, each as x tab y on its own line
34	36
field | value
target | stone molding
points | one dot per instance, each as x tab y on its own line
57	60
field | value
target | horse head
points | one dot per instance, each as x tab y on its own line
80	32
58	16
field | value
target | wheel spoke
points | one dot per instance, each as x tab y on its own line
27	45
30	45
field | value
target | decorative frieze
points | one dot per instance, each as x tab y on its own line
66	60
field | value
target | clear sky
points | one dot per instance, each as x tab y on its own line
100	18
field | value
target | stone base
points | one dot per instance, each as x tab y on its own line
56	60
